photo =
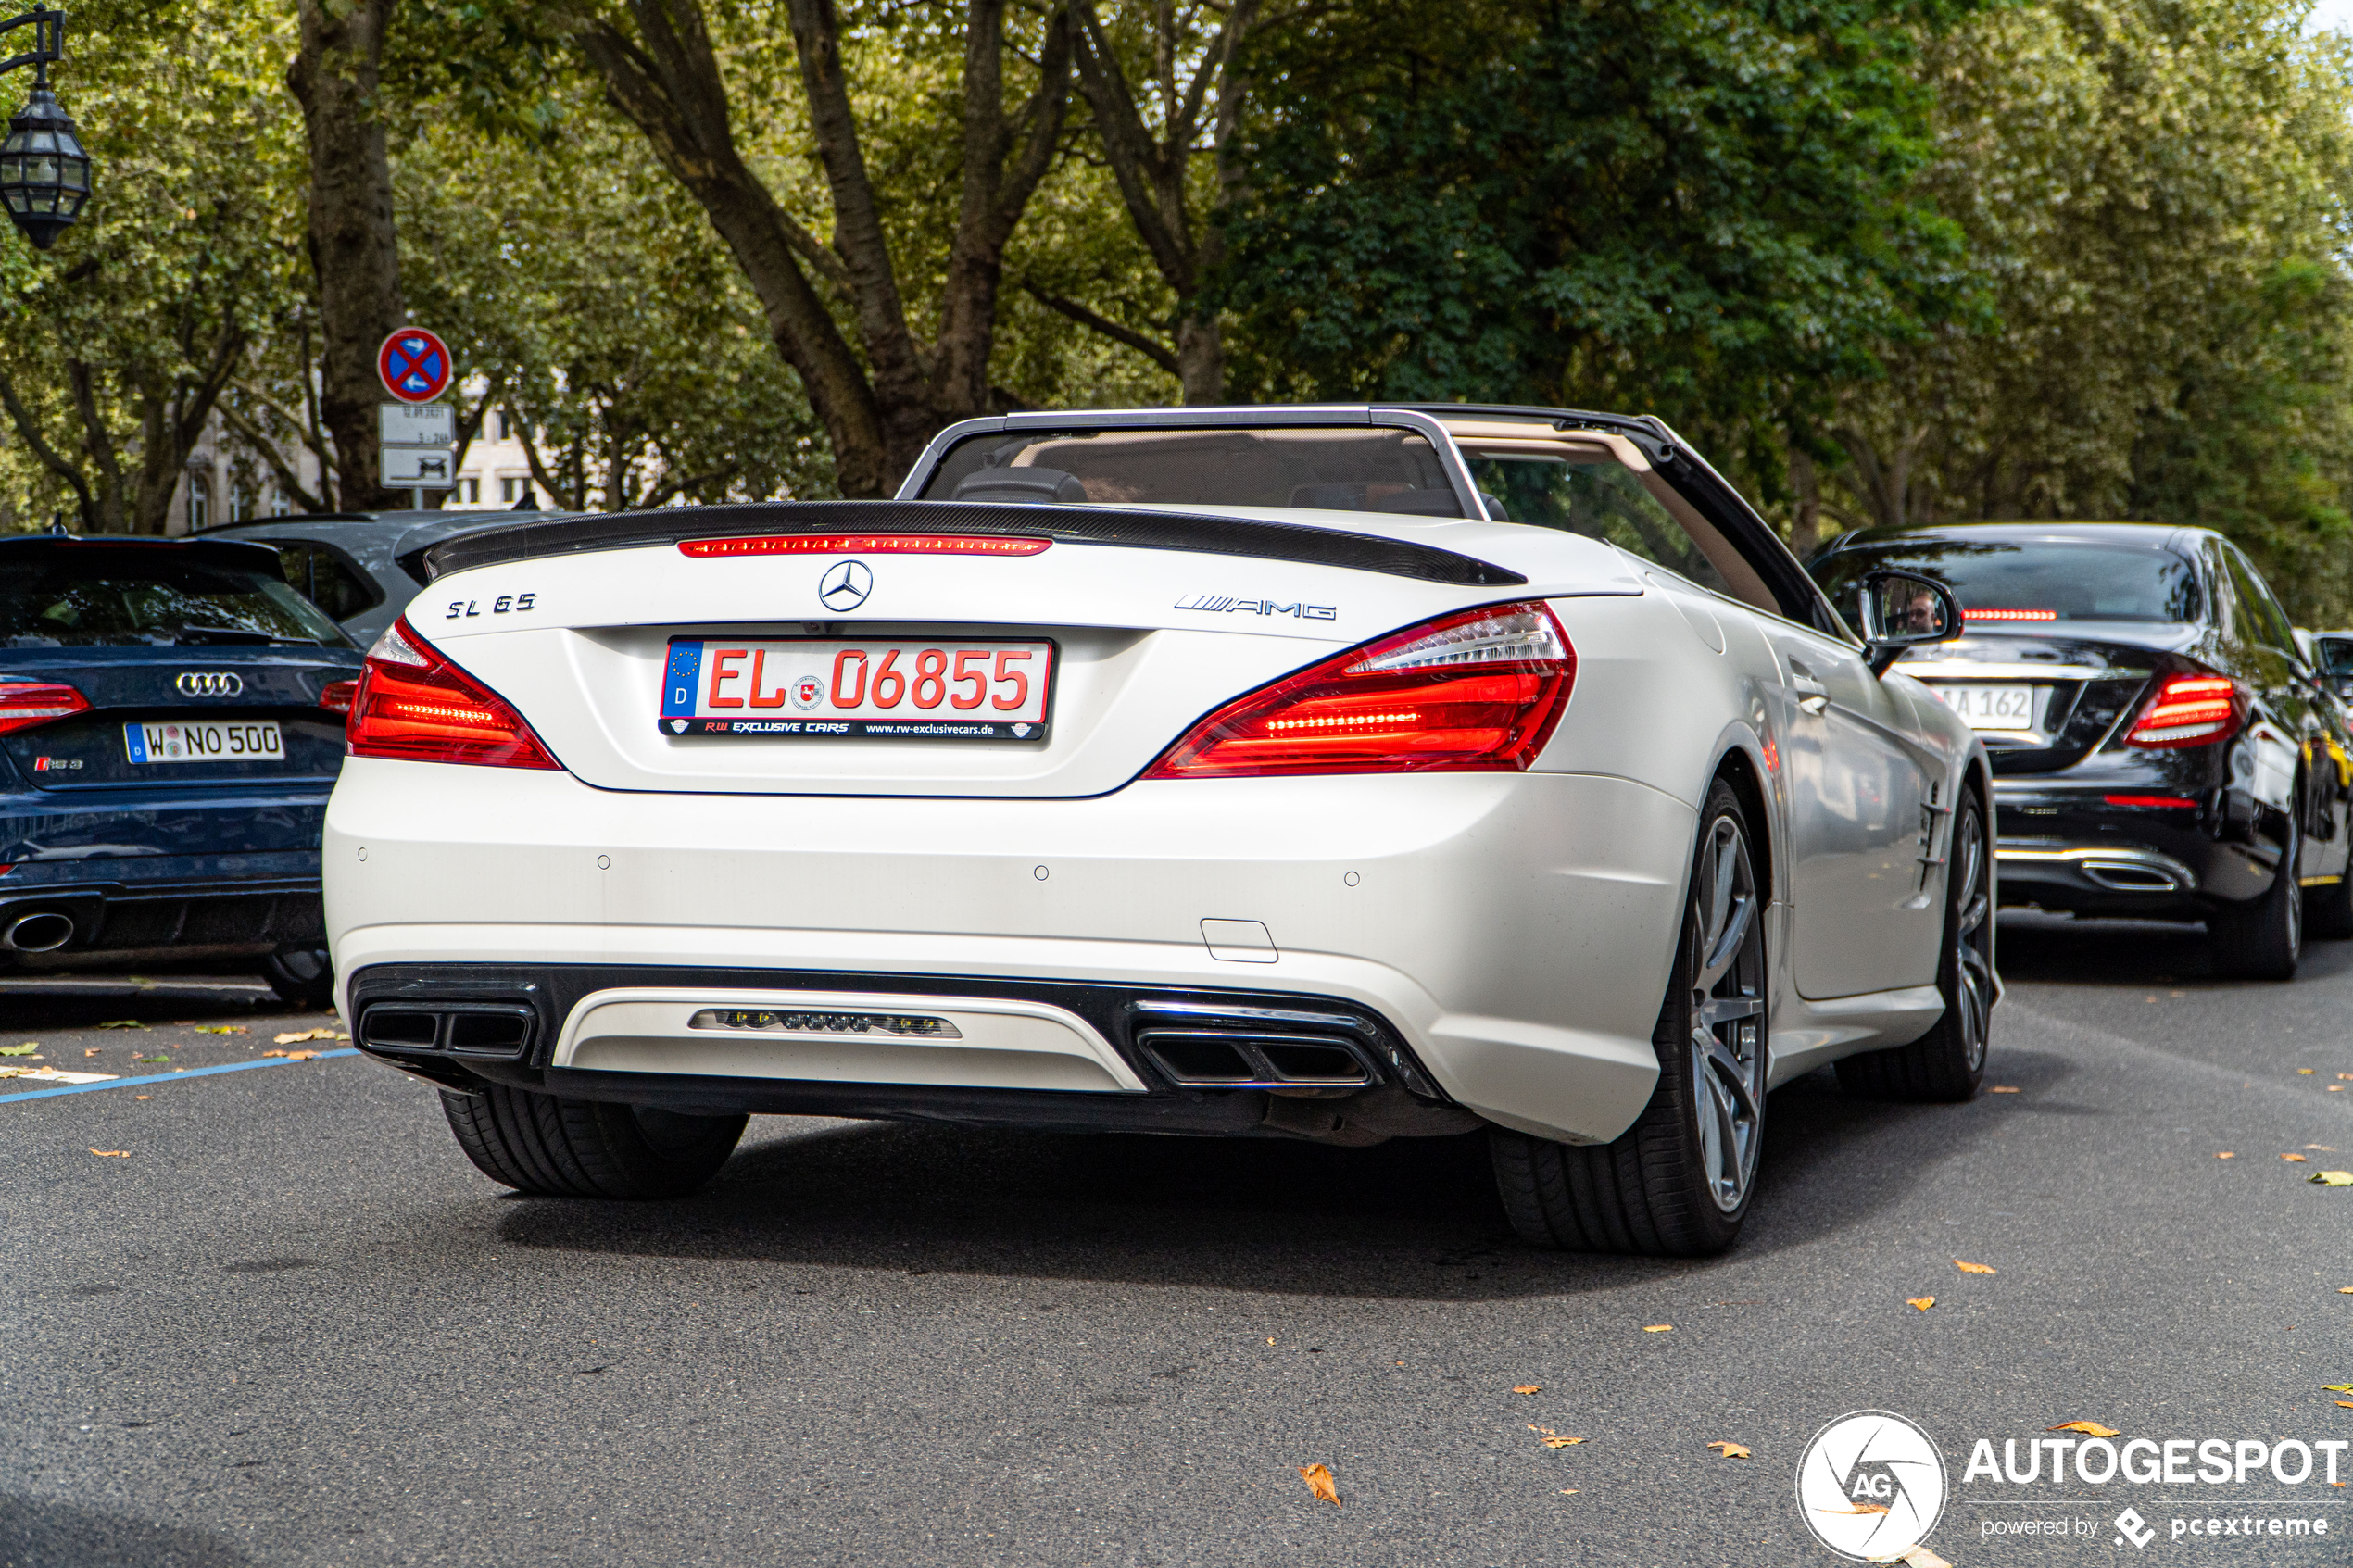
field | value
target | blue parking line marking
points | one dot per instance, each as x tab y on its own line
168	1078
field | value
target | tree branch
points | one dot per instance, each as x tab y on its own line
252	435
1158	353
28	427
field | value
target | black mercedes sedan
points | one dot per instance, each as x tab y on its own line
2160	747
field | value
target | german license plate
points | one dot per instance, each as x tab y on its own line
205	740
1990	707
827	689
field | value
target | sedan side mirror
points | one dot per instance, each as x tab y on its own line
1903	609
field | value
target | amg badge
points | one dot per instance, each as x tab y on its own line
1215	604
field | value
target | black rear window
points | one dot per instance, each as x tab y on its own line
1347	467
2023	581
78	594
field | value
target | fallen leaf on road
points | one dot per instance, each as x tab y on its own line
2333	1178
220	1029
2001	1089
143	1096
1569	1491
111	1153
2305	1070
2344	1077
2324	1148
309	1056
1658	1329
1554	1440
1920	1557
1319	1481
2296	1157
2089	1428
151	1058
91	1052
1730	1451
26	1049
123	1024
2338	1388
1973	1268
1528	1388
1922	1302
2345	1290
303	1035
2336	1088
2226	1154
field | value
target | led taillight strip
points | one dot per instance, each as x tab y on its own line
862	545
2010	614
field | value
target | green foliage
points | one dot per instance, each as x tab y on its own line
571	276
115	342
2155	192
1699	208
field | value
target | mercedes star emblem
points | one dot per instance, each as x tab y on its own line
845	586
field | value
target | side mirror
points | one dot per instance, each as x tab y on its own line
1903	609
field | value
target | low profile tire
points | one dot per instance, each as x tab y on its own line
2328	908
1948	1063
303	976
553	1148
2263	938
1677	1183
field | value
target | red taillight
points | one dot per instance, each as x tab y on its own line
2009	614
1478	690
2169	802
2188	710
24	704
864	545
414	705
335	696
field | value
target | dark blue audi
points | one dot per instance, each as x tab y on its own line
171	716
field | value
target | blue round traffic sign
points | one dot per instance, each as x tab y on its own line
414	365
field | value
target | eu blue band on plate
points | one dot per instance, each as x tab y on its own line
134	736
679	679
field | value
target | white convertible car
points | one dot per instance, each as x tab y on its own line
1337	773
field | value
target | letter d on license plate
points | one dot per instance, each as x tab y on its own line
829	688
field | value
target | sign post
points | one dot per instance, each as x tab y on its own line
417	436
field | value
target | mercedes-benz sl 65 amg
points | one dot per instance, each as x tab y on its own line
1337	773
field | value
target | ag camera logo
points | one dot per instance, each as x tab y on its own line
1870	1485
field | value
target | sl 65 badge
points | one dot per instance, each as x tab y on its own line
505	604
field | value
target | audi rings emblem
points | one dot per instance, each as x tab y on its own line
209	682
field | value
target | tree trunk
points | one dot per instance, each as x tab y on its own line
354	253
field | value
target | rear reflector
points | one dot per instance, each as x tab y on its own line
417	707
2171	801
24	704
862	545
1480	690
2188	710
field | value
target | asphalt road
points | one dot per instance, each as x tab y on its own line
289	1324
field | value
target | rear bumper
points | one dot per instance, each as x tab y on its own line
188	905
2070	851
1512	933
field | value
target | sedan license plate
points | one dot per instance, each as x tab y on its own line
1990	707
882	688
205	740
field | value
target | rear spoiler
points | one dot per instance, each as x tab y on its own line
1073	525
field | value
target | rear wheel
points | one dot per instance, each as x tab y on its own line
303	976
554	1148
1677	1183
2263	938
1948	1063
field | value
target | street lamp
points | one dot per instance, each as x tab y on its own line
45	174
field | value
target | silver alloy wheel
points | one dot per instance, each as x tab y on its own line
1726	966
1974	935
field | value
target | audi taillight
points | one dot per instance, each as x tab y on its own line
335	696
1478	690
2188	710
415	705
24	704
